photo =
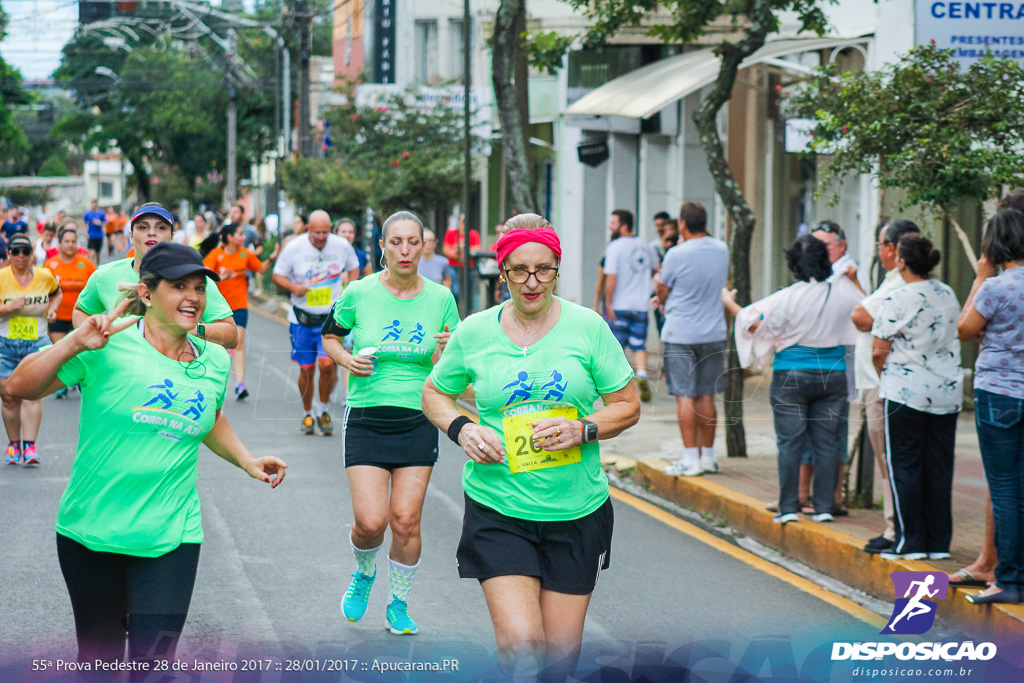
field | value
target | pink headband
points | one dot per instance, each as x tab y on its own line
513	239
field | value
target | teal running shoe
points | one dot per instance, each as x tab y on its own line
353	605
399	621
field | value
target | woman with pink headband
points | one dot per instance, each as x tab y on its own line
538	522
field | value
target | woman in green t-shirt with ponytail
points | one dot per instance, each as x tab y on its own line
400	323
129	525
538	523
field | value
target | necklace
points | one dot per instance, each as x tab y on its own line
528	343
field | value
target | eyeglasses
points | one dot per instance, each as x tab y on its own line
544	274
21	251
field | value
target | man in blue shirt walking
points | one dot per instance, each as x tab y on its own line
96	227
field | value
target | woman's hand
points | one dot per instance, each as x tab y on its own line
985	268
728	297
226	273
360	366
557	433
14	305
51	313
481	444
263	468
442	340
96	330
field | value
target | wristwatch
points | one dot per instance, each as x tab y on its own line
589	431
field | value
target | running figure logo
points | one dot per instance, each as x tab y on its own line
197	407
520	389
914	613
165	395
549	386
394	331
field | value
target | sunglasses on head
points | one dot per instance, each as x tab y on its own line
21	251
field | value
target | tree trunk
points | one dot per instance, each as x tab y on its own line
743	219
142	184
510	90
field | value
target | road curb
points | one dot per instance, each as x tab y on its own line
820	547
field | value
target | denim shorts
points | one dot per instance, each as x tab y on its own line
12	351
630	329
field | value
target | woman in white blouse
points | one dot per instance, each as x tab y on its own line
917	355
809	324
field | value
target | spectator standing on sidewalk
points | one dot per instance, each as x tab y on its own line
993	314
917	356
662	225
629	265
690	283
867	377
808	322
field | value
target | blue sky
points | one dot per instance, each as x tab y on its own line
36	32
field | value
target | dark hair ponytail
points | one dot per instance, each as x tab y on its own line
919	254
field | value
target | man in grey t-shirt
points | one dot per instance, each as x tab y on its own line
693	339
629	264
432	266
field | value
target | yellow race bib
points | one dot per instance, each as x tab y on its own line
523	455
318	296
21	327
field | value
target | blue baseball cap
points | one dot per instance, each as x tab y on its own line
154	209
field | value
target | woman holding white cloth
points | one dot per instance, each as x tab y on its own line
808	323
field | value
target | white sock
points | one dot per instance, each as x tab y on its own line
309	413
707	452
691	455
641	373
321	408
400	578
366	558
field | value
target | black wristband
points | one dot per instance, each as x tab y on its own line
456	427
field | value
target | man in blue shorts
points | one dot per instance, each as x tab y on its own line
313	268
629	265
95	229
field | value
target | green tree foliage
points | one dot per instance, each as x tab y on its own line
54	166
166	101
13	143
938	132
397	154
26	196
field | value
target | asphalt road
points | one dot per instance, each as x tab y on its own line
276	563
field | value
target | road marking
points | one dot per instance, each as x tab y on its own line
848	606
257	309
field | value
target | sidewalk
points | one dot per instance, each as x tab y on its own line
738	495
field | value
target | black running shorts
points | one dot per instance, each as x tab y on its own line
567	556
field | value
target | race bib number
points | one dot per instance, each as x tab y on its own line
523	455
318	296
23	328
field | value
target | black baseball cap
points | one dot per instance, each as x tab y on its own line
173	261
19	240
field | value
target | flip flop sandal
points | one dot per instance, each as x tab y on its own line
772	507
965	579
808	510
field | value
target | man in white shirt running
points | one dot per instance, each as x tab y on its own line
629	266
313	268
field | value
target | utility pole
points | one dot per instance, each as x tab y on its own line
467	179
304	19
232	180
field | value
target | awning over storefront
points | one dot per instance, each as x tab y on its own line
645	91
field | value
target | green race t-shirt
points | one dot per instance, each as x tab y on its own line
402	330
570	366
133	483
101	291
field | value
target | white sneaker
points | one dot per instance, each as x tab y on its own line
684	468
709	464
822	517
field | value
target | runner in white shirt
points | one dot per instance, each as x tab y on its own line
313	268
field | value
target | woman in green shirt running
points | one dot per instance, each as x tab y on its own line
400	323
129	525
538	522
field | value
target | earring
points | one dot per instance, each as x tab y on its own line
501	279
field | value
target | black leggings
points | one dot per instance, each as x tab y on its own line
112	594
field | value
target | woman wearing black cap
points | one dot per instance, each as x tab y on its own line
128	526
29	297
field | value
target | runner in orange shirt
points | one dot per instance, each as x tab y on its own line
231	260
71	268
115	229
